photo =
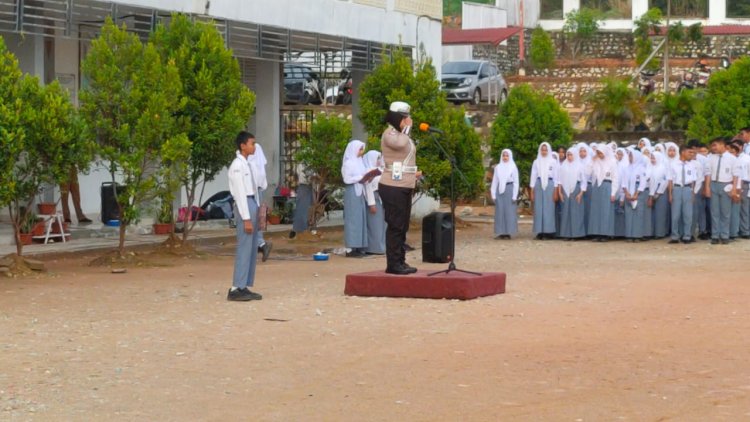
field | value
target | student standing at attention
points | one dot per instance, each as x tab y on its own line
543	182
504	192
682	177
720	186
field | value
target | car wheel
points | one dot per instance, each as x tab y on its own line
477	97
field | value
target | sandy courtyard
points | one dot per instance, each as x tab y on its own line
585	332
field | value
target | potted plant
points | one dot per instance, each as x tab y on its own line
164	218
26	234
274	217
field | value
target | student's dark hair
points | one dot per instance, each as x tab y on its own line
735	147
694	143
394	119
719	139
242	138
745	129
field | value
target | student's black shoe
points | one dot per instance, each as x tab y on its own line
539	237
714	241
400	270
355	253
686	241
266	250
704	236
674	241
725	241
745	237
253	295
292	234
240	295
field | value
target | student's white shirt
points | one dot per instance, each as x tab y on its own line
241	184
698	167
676	173
727	169
744	160
551	172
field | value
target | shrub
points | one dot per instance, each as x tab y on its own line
542	51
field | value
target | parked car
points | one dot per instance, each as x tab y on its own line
473	81
301	85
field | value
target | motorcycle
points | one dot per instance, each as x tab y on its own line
688	81
311	90
702	73
646	83
344	88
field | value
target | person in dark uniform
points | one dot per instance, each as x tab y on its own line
397	184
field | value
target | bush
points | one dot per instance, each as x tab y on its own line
580	27
616	106
726	108
542	51
674	111
528	118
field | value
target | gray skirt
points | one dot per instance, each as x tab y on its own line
602	214
572	224
506	213
634	228
648	224
376	228
355	219
544	208
302	208
661	216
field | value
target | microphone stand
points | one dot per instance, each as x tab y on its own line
454	169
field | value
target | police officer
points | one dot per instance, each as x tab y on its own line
397	184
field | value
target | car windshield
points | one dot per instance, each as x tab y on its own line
460	68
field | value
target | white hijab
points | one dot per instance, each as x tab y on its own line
658	171
646	143
373	161
605	165
571	172
353	166
635	170
545	164
676	158
505	172
258	162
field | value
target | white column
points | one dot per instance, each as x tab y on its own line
570	5
358	129
268	120
640	7
717	11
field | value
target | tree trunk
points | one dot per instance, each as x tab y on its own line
121	245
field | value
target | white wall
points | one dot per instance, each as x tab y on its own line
453	53
475	16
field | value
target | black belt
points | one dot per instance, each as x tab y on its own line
509	183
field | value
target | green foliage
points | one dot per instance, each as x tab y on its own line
131	105
580	27
453	7
323	153
395	79
616	106
218	105
528	118
542	50
726	108
647	24
11	128
674	111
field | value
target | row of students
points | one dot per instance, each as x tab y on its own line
602	191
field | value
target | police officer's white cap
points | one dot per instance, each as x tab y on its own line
400	107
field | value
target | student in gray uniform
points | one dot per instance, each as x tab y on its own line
682	177
635	199
586	155
355	210
744	159
542	183
734	217
303	202
258	160
623	162
720	186
375	216
702	206
659	198
571	185
648	222
504	193
605	184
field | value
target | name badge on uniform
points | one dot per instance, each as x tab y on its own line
550	168
689	172
726	170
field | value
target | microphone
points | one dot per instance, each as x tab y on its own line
425	127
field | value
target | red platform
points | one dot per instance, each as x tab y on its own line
454	285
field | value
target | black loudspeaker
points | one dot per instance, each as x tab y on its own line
437	237
110	211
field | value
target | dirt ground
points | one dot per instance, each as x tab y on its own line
586	332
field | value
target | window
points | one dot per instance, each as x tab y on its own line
552	9
611	9
683	8
738	8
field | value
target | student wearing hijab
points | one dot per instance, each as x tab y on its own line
585	155
555	197
604	187
673	153
543	181
659	199
635	199
623	161
355	211
375	216
644	143
258	160
734	221
744	159
304	197
571	185
504	193
681	191
648	223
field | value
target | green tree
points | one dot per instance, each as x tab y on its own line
726	107
322	155
527	119
649	23
218	105
580	27
130	105
616	106
674	111
396	79
542	51
11	128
